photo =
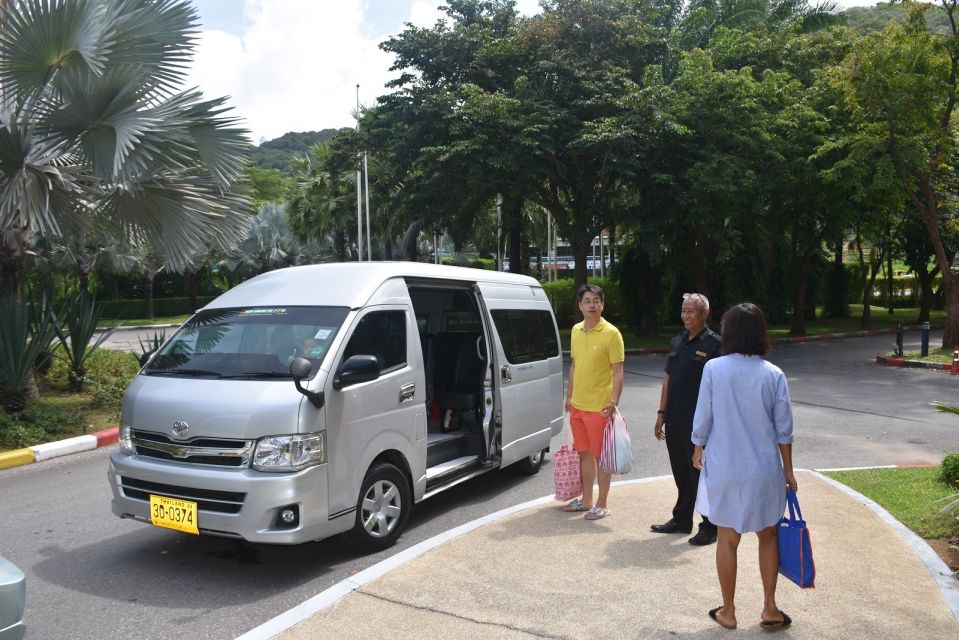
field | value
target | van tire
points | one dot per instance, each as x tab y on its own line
382	509
529	466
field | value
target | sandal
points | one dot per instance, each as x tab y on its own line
776	625
575	506
598	513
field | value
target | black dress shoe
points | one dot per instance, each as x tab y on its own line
670	527
703	537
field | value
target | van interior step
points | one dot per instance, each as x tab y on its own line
443	447
450	468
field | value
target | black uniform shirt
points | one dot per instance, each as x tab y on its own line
685	368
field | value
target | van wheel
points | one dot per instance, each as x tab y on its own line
382	510
530	465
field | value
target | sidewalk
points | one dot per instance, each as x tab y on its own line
542	573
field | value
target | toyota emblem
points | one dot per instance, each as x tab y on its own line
181	429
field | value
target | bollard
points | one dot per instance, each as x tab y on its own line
925	340
955	362
899	337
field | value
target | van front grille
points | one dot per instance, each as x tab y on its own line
217	452
206	499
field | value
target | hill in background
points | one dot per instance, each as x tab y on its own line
276	153
876	18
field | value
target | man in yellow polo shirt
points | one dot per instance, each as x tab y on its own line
595	384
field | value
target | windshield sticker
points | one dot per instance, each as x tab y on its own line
263	312
323	333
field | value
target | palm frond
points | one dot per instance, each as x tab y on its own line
39	38
945	408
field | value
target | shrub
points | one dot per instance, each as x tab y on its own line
562	296
950	468
35	424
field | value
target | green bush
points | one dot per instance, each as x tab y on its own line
108	374
36	423
162	307
950	468
562	295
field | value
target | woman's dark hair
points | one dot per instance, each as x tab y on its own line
590	288
744	330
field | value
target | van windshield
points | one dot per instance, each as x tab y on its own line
253	343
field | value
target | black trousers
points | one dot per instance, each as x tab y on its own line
686	476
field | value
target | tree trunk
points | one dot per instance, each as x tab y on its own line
388	250
339	245
928	210
869	281
836	302
11	271
580	255
190	280
148	295
84	278
800	282
926	297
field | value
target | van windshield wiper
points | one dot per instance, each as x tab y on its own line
185	372
260	374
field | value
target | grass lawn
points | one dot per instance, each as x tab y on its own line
935	355
139	322
910	495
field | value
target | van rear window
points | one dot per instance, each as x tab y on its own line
527	335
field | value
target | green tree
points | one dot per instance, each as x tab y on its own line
95	132
901	86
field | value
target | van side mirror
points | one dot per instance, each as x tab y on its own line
300	368
356	369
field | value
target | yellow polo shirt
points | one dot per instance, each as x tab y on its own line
593	353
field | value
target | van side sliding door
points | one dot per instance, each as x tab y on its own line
524	352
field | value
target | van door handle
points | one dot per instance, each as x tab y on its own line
407	392
506	374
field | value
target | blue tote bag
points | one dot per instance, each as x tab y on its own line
795	547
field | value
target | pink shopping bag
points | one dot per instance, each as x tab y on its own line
566	474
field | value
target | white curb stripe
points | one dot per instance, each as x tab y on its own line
345	587
64	447
942	574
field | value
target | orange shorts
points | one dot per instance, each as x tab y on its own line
587	427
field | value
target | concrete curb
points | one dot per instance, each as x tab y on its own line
50	450
892	361
791	340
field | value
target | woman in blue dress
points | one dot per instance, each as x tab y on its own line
743	432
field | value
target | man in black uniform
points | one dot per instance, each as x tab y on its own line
688	354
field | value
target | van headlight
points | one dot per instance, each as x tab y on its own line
125	439
290	453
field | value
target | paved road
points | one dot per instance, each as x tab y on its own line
92	576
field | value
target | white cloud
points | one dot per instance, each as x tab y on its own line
295	67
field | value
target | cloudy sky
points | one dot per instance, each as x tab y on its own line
293	65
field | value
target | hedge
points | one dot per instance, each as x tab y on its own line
162	307
562	295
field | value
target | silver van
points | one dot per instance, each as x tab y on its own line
327	399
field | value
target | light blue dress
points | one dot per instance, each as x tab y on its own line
742	416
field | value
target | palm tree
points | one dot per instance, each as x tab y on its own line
320	202
97	133
269	244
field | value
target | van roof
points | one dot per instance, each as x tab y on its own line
343	284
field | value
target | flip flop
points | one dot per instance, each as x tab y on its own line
575	506
776	625
598	513
712	614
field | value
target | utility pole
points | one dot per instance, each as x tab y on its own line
366	185
359	187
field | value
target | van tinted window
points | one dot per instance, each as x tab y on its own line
381	334
526	335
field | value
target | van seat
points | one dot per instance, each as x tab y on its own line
460	370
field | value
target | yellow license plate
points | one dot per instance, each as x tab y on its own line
174	513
